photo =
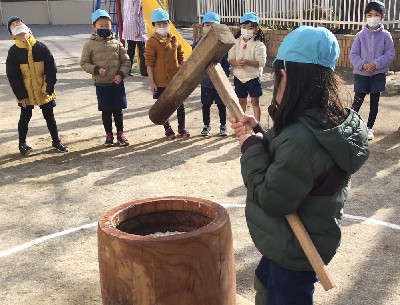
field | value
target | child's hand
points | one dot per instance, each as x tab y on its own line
102	72
371	67
241	62
24	102
153	87
239	127
117	79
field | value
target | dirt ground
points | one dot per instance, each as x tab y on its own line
50	202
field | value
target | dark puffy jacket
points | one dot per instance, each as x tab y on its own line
31	71
305	169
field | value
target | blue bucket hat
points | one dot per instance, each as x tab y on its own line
99	13
159	15
251	16
211	17
310	45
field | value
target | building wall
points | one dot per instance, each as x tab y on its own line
36	12
183	11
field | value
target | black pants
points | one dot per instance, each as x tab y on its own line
107	120
373	106
131	53
48	115
221	111
180	114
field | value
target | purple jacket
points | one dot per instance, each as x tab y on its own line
372	46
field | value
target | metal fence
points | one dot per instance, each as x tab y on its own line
343	14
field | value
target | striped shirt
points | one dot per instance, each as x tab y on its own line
133	27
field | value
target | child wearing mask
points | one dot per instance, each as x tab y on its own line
371	53
106	59
208	92
247	58
302	164
31	71
163	58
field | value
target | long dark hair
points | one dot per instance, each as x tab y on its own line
258	36
307	86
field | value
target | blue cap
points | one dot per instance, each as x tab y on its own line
252	17
310	45
159	15
11	20
211	17
99	13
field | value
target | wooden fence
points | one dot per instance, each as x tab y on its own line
274	38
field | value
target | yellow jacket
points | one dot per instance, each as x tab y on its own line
31	71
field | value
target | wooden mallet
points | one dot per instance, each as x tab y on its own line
204	59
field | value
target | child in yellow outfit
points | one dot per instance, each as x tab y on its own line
31	71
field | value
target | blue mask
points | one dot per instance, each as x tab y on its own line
103	33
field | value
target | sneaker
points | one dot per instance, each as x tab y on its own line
170	134
121	139
182	132
60	147
206	130
370	134
223	130
24	149
109	140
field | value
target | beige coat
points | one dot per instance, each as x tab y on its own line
109	54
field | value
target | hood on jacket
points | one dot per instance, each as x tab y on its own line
347	143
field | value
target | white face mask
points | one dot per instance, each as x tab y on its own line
373	22
247	34
20	29
162	31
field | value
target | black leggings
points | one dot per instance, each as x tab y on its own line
373	106
48	115
180	114
107	120
221	111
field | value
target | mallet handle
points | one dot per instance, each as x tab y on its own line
311	252
228	96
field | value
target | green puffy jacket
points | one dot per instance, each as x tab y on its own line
305	169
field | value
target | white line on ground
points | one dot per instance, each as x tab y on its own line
374	221
42	239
